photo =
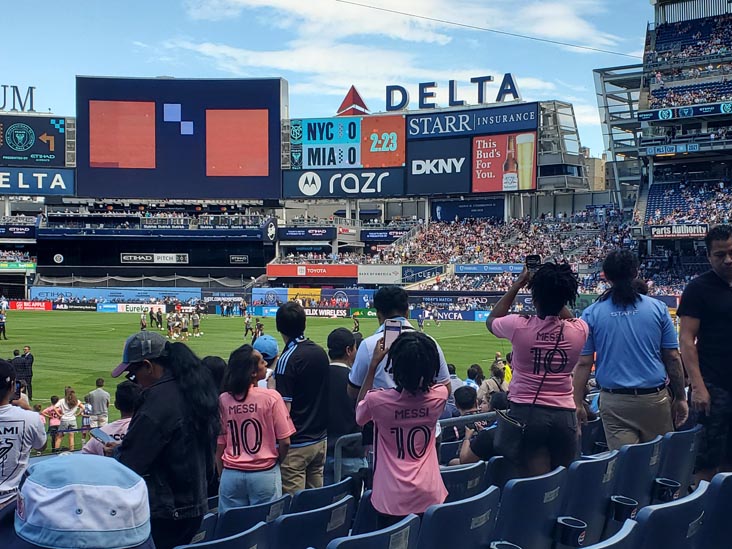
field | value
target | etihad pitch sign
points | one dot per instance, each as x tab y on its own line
397	97
697	231
439	167
312	271
352	183
491	121
153	259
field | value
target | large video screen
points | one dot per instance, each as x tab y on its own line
32	141
169	138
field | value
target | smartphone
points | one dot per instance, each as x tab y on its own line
17	391
533	262
392	329
101	436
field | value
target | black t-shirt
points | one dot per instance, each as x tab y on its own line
342	411
482	444
709	298
302	380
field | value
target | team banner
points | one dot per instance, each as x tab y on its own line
698	230
37	181
312	271
490	268
489	121
344	183
379	274
269	296
343	298
32	141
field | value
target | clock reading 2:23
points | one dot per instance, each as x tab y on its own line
383	141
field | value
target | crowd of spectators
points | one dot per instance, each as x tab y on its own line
16	255
687	202
700	94
684	40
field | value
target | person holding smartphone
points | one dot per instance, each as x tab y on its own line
126	399
22	431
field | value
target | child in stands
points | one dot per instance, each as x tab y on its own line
406	469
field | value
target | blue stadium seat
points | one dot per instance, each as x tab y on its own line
529	509
403	535
717	529
674	525
499	471
315	498
239	519
624	539
590	484
313	528
471	522
678	456
637	470
449	450
365	520
207	530
463	481
592	434
258	537
213	504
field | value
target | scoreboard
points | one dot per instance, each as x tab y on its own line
347	142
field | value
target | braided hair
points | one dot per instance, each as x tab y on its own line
414	362
553	286
621	269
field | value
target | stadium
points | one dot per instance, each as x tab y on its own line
200	211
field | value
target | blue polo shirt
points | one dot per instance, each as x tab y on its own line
628	342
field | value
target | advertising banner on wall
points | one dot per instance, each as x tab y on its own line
32	141
37	181
372	183
490	268
314	233
478	208
697	230
415	273
488	121
504	163
327	313
17	231
74	306
315	271
139	308
123	295
381	235
439	166
31	305
303	294
379	274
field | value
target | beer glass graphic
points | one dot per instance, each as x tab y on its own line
525	145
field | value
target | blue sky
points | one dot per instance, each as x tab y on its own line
323	46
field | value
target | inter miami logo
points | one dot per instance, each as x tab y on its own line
309	183
20	137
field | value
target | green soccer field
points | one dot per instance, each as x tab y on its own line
75	348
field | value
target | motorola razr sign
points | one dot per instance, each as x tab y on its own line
346	183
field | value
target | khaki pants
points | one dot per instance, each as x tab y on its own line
97	421
303	467
630	419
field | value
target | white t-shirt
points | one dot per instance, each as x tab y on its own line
67	413
22	430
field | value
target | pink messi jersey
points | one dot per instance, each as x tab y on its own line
251	428
533	341
406	470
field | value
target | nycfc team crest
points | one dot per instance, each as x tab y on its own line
20	137
309	183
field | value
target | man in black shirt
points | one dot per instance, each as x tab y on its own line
705	312
342	408
302	380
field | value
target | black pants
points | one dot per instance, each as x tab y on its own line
2	331
553	429
384	521
169	533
